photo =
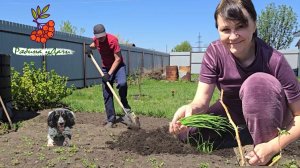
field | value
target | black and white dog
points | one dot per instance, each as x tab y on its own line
60	122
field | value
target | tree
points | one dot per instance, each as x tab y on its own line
184	46
67	27
121	40
276	25
124	42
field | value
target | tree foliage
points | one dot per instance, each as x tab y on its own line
122	40
67	27
276	25
184	46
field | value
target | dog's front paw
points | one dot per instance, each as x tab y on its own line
66	143
50	141
50	144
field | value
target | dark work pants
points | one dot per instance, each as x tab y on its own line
119	77
260	111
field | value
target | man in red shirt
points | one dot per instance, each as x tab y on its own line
113	68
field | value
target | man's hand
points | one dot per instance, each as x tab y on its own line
93	46
88	51
106	77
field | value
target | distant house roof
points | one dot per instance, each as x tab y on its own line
297	34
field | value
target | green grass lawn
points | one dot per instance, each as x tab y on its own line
157	98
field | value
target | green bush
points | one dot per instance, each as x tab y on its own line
37	89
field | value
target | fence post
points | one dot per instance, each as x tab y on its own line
84	65
128	61
162	61
44	61
191	60
142	63
153	61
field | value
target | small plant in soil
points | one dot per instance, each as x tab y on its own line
27	153
290	164
203	165
41	156
136	79
73	150
173	93
27	141
278	157
51	163
62	158
155	163
129	159
3	128
89	150
15	162
86	163
205	146
59	150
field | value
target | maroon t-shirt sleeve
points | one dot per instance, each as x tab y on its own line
115	45
94	39
208	73
284	73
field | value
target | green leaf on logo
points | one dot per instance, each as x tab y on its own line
45	9
38	9
44	16
33	13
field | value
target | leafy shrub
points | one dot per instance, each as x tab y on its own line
37	89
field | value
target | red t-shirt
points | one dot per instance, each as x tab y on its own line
107	49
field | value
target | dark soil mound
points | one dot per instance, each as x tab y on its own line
155	141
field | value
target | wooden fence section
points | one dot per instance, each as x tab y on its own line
79	69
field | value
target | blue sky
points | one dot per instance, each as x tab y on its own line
151	24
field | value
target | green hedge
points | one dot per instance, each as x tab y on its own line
37	89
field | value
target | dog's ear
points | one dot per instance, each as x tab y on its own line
51	121
70	118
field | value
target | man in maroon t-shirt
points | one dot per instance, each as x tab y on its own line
113	68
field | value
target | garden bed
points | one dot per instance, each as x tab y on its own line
95	146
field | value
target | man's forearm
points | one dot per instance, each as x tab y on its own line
114	66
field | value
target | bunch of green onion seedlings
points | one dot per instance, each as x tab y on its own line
208	121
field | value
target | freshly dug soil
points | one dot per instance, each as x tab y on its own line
92	145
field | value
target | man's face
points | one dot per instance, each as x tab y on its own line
101	39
